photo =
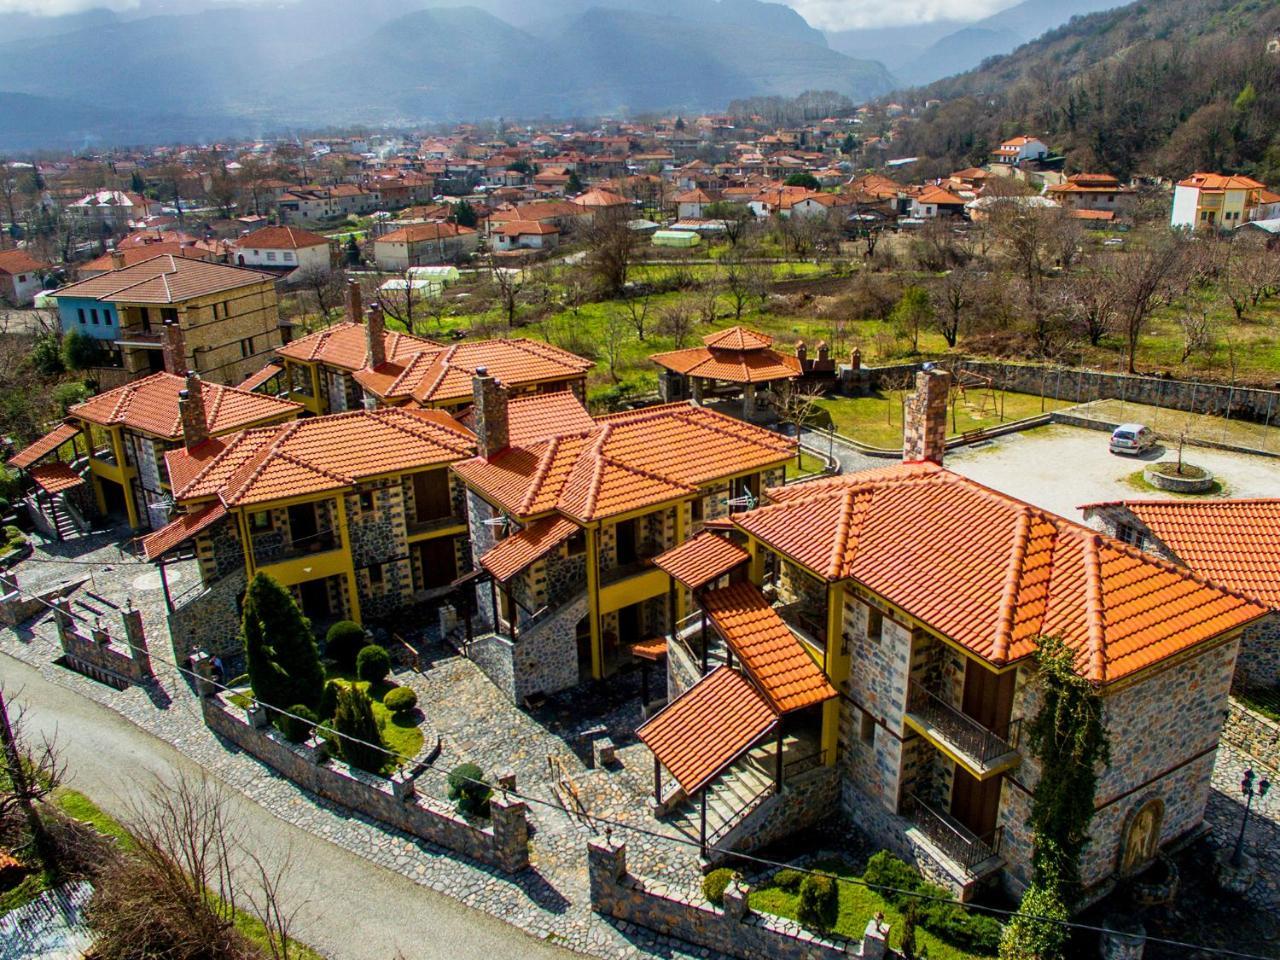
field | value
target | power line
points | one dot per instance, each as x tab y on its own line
643	831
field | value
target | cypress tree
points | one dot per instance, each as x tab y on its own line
354	718
280	650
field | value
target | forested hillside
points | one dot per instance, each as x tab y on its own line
1161	86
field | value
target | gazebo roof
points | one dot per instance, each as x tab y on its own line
738	338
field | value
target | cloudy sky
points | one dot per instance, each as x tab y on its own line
827	14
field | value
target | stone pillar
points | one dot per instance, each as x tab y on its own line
489	414
824	351
195	425
62	617
924	433
202	667
735	901
510	831
174	349
354	309
696	386
855	359
402	787
802	354
875	941
375	336
256	714
1126	939
748	401
606	869
137	640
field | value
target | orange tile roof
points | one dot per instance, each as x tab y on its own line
255	380
280	238
184	463
164	279
344	345
1221	181
599	198
55	477
699	560
423	232
327	453
993	573
745	366
1092	214
19	261
50	442
134	255
770	652
1235	543
707	727
738	338
936	195
444	375
180	530
150	406
508	557
626	461
537	417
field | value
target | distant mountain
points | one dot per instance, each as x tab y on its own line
893	46
264	67
33	123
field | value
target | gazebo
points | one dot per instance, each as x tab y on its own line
738	356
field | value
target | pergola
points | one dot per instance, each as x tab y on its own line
739	356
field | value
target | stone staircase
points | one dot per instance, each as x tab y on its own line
741	789
56	522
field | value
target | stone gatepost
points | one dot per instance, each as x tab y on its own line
202	667
402	787
696	386
256	714
137	640
510	831
735	903
62	617
875	940
748	401
924	433
101	639
606	869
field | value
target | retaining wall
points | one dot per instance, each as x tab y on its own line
1253	733
504	844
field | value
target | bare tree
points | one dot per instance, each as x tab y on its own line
797	405
401	304
745	280
1143	277
637	308
676	322
326	287
9	189
1197	330
611	251
33	771
614	333
955	295
505	282
1094	299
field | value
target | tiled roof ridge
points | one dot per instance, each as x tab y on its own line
1167	565
1095	613
595	456
540	475
1012	581
710	420
548	351
244	474
840	557
444	361
1180	504
199	475
263	456
218	398
412	365
417	427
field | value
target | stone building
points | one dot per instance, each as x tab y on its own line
567	513
356	513
351	365
1235	543
920	596
228	316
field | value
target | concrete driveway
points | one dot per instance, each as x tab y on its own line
1059	467
348	908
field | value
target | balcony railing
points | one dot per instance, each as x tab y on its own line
426	525
645	552
320	542
958	728
954	839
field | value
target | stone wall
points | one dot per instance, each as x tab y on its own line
1259	662
683	669
209	620
732	929
806	799
504	844
117	661
1256	735
543	658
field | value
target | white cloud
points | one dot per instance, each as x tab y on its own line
54	8
848	14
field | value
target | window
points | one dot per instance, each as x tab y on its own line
80	313
375	574
168	314
577	544
696	511
287	256
867	729
22	278
875	623
1128	533
271	254
93	316
246	347
259	521
366	501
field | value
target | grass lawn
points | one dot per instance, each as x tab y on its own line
400	734
877	420
1263	701
808	466
858	904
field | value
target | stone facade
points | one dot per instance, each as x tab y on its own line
924	434
99	655
503	844
209	619
542	659
1256	735
806	799
733	930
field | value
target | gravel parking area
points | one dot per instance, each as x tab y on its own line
1059	467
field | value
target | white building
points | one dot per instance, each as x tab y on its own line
278	248
1019	149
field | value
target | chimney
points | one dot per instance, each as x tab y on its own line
489	413
195	428
924	432
117	260
802	351
855	359
354	313
824	351
375	335
174	349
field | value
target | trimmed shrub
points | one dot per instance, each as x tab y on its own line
715	883
328	701
819	904
13	537
788	880
886	870
297	730
468	790
1040	938
354	718
373	663
941	916
400	700
343	643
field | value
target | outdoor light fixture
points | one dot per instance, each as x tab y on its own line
1247	788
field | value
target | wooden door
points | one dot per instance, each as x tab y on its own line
626	533
439	562
976	803
431	495
988	696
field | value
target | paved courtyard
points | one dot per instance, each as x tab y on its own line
1060	467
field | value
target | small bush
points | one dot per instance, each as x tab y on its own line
788	880
941	915
1035	936
400	700
298	727
715	883
361	742
13	537
884	870
373	663
468	790
343	643
819	904
328	701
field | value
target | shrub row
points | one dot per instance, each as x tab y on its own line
942	916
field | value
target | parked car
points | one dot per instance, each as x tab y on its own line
1132	438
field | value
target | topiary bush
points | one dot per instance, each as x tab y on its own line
343	643
884	870
361	742
819	904
373	663
400	700
940	915
788	880
328	701
298	727
469	791
715	883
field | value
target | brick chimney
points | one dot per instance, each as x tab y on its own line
117	260
855	359
195	428
174	348
924	432
375	335
489	413
354	312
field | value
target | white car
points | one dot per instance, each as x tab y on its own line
1132	438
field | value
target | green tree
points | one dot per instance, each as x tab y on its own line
79	351
1038	932
67	395
806	180
360	741
464	214
1246	98
575	183
46	355
848	144
280	650
913	310
520	166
